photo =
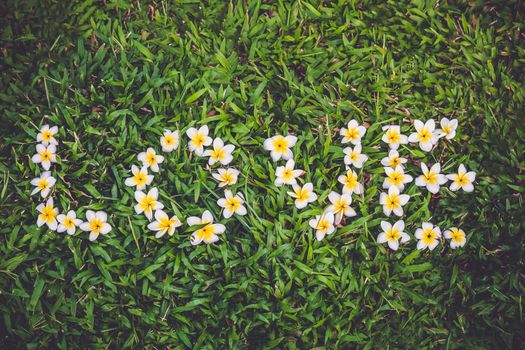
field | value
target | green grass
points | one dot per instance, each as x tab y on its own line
114	74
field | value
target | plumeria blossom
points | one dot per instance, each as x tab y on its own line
428	236
393	159
353	133
425	134
462	179
96	224
323	224
147	203
393	201
431	178
226	177
47	135
43	184
393	136
150	159
140	178
164	224
448	128
392	234
231	204
68	222
286	174
396	177
303	195
208	233
219	153
279	146
45	155
354	156
456	236
350	183
340	206
198	139
170	140
48	215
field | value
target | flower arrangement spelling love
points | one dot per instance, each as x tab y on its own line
280	147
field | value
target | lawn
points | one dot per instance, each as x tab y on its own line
114	74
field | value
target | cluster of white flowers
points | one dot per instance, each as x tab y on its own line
152	208
96	221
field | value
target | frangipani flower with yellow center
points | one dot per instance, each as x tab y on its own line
147	203
208	232
354	133
354	156
226	177
150	159
425	134
392	234
287	175
396	177
170	140
47	135
68	222
164	224
45	155
48	215
393	159
393	201
43	184
393	136
340	206
280	146
457	237
428	236
220	152
198	139
431	178
448	128
323	225
140	178
231	204
96	224
303	195
350	183
462	179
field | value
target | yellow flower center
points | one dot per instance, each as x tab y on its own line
302	194
42	184
447	129
396	178
280	144
206	232
429	236
198	140
140	178
47	135
424	135
393	136
151	159
392	201
48	213
288	174
45	155
169	139
350	181
233	203
218	153
322	225
95	225
430	177
166	223
148	203
353	156
227	178
68	222
394	161
340	205
456	235
393	234
461	179
352	134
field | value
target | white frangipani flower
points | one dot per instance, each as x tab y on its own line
48	215
448	128
431	178
354	156
96	224
303	195
393	201
351	185
393	159
428	236
147	203
286	174
323	225
198	139
164	224
392	234
231	204
226	177
150	159
353	133
170	140
457	237
43	184
45	155
220	152
208	233
68	222
425	134
462	179
393	136
140	178
396	177
280	146
340	206
47	135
